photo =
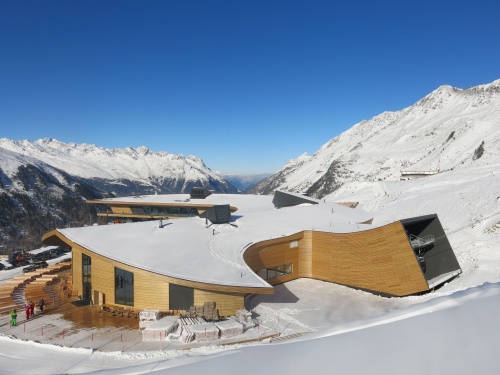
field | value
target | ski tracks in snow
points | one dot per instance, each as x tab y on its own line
221	230
379	193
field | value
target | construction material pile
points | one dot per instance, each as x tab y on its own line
148	317
208	312
160	329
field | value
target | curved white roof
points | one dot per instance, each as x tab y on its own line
190	249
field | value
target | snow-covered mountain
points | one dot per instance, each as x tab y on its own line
448	129
43	183
454	327
121	171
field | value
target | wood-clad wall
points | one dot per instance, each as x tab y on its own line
76	271
274	253
305	254
151	291
227	303
123	210
381	259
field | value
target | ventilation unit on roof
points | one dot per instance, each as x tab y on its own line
200	193
287	199
218	214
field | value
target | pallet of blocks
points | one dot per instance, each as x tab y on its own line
187	335
244	317
210	312
148	317
160	329
205	331
229	328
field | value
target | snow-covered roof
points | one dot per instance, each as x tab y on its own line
241	201
193	249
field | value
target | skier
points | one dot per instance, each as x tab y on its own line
32	309
13	317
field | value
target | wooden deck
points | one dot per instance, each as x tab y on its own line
85	316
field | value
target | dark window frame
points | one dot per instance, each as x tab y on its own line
180	297
276	271
124	287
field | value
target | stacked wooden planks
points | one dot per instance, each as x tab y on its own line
32	286
6	301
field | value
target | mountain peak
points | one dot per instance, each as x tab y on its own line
448	129
135	164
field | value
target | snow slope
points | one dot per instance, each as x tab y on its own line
454	329
451	330
445	130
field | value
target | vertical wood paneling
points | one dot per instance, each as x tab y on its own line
305	255
151	291
76	271
273	253
380	259
227	303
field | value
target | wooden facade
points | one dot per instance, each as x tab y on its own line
151	290
136	210
380	260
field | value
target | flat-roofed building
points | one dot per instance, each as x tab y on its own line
175	264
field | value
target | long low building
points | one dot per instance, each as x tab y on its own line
255	243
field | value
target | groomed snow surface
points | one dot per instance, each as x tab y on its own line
453	330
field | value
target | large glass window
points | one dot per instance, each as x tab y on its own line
171	211
124	287
180	297
86	277
277	271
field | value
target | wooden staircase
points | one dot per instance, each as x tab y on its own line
49	283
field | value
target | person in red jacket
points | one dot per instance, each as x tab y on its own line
32	309
27	311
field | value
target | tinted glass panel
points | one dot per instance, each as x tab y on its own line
86	277
124	287
180	297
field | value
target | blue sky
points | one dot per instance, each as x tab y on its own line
245	85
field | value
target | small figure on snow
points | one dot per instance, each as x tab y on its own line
32	309
13	317
27	311
41	304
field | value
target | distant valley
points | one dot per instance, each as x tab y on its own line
245	182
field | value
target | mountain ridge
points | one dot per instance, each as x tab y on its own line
91	161
446	129
43	183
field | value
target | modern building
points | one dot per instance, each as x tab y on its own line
150	207
241	244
